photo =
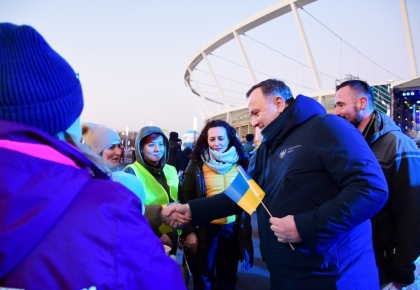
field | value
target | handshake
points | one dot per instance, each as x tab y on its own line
176	215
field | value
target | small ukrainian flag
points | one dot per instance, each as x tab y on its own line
245	191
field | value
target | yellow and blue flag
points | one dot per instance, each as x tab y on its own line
245	191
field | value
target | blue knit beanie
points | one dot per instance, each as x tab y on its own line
37	86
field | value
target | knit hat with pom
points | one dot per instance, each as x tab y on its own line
37	86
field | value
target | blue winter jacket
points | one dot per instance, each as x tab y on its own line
318	168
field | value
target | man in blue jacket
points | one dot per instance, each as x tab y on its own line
322	184
395	229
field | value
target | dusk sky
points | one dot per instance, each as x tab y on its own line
132	54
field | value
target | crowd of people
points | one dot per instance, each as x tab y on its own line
342	190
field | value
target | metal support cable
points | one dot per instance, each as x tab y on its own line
238	64
222	88
210	93
287	56
347	42
224	78
289	82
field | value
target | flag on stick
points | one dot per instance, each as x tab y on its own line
245	191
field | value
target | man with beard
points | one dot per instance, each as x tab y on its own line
395	229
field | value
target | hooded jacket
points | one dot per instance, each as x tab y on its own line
65	225
165	175
396	230
317	168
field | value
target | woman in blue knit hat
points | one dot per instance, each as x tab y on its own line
63	224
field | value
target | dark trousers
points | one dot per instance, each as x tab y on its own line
219	269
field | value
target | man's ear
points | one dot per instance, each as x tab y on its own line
280	104
363	102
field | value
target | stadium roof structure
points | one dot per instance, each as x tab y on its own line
235	112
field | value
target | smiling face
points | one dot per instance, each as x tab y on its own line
348	105
264	110
112	154
153	151
217	139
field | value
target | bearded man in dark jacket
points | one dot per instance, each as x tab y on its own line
322	185
396	230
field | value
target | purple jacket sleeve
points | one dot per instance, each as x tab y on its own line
141	262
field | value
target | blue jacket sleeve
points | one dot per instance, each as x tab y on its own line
204	210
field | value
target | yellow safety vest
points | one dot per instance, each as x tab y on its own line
155	193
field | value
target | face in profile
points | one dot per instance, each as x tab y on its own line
263	110
217	139
112	154
153	151
347	105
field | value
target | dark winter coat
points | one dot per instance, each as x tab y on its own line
175	152
318	168
194	188
396	228
186	157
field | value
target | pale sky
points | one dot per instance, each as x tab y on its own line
132	54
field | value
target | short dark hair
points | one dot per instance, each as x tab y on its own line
273	87
249	137
360	87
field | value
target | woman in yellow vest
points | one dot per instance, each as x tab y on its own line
159	179
213	251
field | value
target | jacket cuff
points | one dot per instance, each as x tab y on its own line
152	214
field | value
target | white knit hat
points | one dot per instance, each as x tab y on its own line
99	137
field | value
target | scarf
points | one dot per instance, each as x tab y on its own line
220	162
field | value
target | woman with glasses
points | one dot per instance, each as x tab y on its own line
160	180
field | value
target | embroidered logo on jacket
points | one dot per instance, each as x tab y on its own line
288	150
282	153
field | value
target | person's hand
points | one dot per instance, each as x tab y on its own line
166	240
192	242
285	229
176	215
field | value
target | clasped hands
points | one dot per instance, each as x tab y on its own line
176	215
